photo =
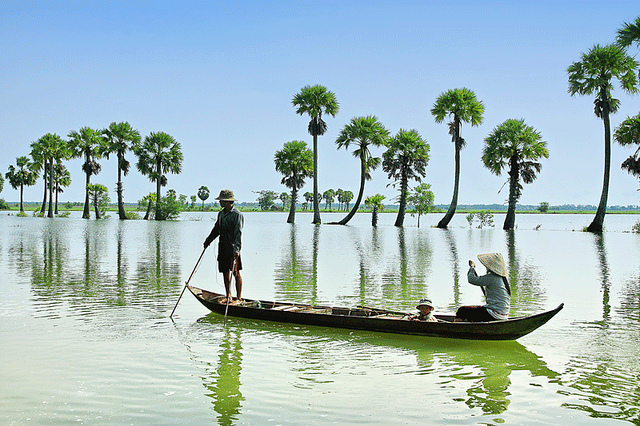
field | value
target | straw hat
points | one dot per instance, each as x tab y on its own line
494	262
424	302
226	195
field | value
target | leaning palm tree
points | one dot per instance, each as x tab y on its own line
461	106
158	154
362	132
515	146
593	74
25	174
87	143
120	137
315	101
406	158
628	133
295	162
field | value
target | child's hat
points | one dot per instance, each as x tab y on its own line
424	302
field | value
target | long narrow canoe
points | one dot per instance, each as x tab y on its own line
379	320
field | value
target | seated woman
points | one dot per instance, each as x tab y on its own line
495	287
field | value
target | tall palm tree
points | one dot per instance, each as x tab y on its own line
52	148
406	158
362	132
40	163
295	162
25	174
462	106
516	146
90	144
593	74
315	101
120	137
158	154
628	133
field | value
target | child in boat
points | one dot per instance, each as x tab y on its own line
426	312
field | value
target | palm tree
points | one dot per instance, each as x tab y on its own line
315	101
52	148
203	194
362	132
628	133
516	146
375	202
462	106
120	137
25	174
99	196
594	75
308	198
295	162
87	143
629	34
328	198
347	196
40	162
158	154
406	158
61	178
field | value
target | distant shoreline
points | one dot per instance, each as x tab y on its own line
393	209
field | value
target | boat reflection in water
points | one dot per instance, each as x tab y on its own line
317	359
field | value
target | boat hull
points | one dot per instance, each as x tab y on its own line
378	320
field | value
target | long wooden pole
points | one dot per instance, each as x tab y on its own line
187	283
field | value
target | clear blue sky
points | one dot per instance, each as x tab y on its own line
219	77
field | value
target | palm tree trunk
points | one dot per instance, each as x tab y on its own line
146	215
292	209
374	216
95	206
85	211
403	199
316	206
510	219
21	198
363	172
158	189
597	224
444	222
44	198
50	213
121	213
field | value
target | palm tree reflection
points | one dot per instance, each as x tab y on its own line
224	382
527	294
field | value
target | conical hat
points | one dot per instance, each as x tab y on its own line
494	262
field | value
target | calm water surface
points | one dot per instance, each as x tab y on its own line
86	335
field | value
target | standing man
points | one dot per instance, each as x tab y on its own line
229	228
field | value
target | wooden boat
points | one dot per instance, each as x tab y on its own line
373	319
